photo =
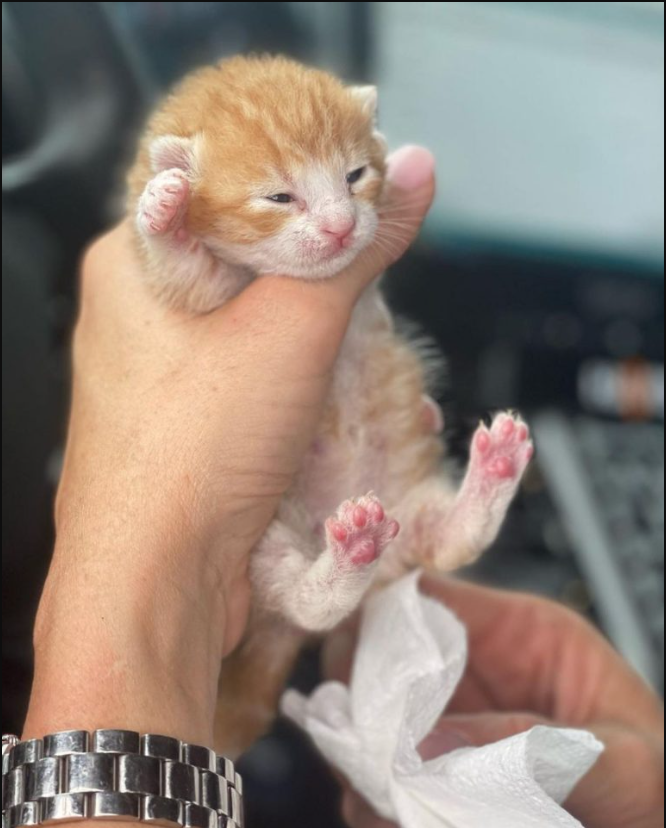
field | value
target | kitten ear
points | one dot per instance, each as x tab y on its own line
381	141
367	97
169	151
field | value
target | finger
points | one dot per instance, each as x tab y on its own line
511	642
454	732
480	608
483	611
489	615
358	814
626	786
410	190
528	653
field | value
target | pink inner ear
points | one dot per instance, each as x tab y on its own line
172	152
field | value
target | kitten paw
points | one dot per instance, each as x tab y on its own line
503	451
163	202
360	531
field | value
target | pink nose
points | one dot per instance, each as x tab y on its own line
338	228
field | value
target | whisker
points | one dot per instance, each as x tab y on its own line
399	214
389	246
418	199
394	242
391	234
408	225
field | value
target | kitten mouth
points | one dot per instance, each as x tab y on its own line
336	258
341	250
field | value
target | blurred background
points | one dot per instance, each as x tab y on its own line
539	274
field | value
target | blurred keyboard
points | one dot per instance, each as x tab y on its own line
607	480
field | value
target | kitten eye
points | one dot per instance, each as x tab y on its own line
353	177
281	198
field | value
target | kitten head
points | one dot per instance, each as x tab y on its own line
286	165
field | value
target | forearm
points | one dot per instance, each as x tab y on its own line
126	644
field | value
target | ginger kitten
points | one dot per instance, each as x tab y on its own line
261	165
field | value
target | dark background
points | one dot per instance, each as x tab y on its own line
517	299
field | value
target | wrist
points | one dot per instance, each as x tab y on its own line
126	643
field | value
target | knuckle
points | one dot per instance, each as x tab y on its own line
539	612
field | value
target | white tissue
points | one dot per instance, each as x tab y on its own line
411	655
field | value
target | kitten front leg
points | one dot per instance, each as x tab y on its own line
163	204
181	267
316	594
447	530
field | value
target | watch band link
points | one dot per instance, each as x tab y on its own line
118	774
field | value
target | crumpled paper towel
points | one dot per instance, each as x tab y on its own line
411	655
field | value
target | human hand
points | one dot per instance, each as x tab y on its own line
184	434
532	662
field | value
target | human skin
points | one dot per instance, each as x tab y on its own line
184	434
533	662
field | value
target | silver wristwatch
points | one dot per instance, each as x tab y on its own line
117	774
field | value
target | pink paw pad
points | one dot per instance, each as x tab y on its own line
360	531
163	202
503	450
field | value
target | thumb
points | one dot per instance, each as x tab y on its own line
314	314
410	189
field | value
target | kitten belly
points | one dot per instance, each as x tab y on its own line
375	434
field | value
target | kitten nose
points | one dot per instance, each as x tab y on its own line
339	228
